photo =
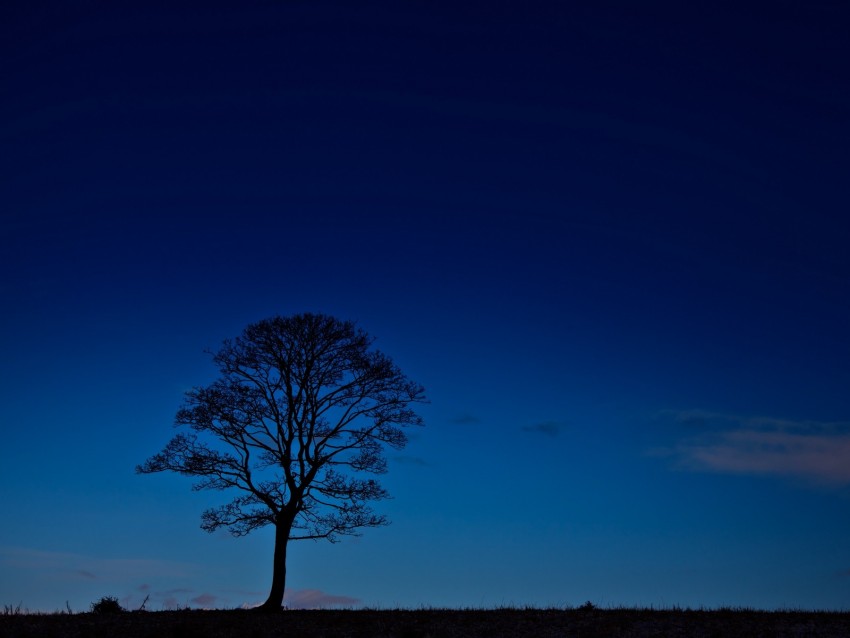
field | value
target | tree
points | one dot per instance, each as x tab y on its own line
302	409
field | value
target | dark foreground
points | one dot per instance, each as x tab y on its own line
429	623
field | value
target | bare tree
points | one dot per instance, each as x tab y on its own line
302	408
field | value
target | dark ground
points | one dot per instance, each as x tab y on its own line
429	623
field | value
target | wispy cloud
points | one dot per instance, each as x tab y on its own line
316	599
813	450
183	597
204	600
174	598
704	419
171	603
466	419
547	428
410	460
135	578
90	567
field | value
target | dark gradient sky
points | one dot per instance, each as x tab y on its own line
610	240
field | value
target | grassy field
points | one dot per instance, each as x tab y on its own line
584	622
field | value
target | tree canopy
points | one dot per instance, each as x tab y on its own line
296	425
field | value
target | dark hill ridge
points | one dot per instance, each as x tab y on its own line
430	623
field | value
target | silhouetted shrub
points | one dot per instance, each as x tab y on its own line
107	605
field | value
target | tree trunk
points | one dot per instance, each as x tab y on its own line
281	537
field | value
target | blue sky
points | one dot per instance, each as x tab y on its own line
611	242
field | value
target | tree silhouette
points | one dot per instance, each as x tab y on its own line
302	408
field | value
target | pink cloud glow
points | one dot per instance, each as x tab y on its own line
89	567
819	452
205	600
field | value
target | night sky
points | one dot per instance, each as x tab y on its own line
610	240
